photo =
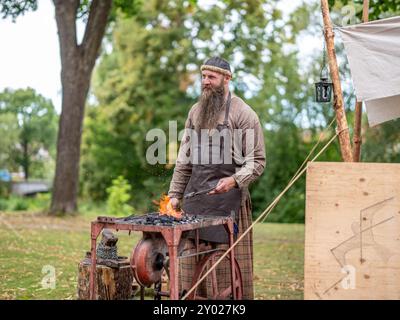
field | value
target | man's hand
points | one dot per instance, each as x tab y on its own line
174	203
224	185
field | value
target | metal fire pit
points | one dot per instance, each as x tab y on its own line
169	229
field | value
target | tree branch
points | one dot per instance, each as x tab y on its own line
94	32
66	11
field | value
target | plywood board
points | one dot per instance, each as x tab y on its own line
352	243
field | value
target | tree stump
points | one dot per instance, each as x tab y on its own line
111	283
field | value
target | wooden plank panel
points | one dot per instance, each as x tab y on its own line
352	243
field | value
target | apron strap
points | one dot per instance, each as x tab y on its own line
228	105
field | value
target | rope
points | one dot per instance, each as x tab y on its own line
334	27
310	153
267	211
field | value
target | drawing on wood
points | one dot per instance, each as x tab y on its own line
352	231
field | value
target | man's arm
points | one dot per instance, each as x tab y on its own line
253	149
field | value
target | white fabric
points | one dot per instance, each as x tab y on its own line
373	51
382	110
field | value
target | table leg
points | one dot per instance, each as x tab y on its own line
95	231
172	238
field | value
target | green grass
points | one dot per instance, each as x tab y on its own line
31	241
278	261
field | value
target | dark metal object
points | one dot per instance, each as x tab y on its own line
323	90
107	248
157	291
147	260
193	194
155	218
170	234
111	263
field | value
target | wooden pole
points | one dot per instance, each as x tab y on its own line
357	140
365	10
344	137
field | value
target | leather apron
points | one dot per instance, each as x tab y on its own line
205	176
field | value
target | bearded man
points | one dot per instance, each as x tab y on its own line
239	144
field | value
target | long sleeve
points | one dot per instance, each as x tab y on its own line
183	167
253	157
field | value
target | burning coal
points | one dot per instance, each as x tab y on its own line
156	219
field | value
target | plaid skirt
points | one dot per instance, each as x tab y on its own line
243	255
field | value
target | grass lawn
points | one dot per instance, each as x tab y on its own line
32	245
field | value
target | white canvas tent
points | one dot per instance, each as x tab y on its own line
373	51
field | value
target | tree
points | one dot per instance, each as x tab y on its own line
377	9
77	62
151	76
9	133
382	143
34	119
118	198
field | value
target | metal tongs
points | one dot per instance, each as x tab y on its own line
197	193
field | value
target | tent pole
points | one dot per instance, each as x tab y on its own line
357	139
342	127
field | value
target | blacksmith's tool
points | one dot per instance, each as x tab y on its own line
194	194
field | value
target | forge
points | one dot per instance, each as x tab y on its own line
162	246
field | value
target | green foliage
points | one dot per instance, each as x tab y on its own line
378	9
9	133
5	189
381	143
118	198
92	209
19	205
40	203
14	8
151	77
127	8
3	204
287	148
36	203
29	123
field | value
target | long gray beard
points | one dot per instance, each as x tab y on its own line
211	103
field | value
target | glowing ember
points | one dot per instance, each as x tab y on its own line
165	208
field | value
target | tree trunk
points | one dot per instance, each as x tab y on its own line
77	62
344	136
357	140
25	160
66	180
110	284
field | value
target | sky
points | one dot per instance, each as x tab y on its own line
30	56
29	53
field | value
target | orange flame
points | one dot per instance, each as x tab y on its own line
165	208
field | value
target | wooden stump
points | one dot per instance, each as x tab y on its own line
110	284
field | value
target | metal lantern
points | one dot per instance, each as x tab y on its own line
323	90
